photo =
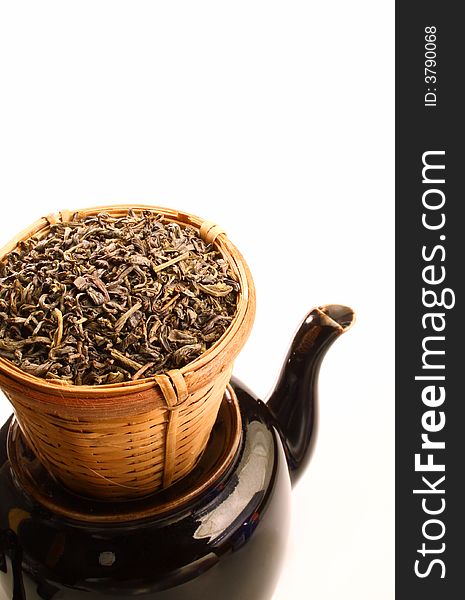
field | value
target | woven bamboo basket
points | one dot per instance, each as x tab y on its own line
127	440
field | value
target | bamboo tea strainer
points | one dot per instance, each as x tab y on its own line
127	440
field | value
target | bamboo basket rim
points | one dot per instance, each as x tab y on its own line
221	242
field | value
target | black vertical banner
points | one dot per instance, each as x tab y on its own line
430	319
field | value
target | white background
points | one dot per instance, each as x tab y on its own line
274	119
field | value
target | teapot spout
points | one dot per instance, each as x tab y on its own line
293	402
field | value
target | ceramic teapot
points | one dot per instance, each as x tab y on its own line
219	532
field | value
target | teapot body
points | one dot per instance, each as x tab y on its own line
222	532
227	543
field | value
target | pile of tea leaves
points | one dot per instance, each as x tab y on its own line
108	299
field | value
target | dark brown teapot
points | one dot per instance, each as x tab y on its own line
219	532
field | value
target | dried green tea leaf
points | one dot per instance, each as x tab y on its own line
108	299
219	290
